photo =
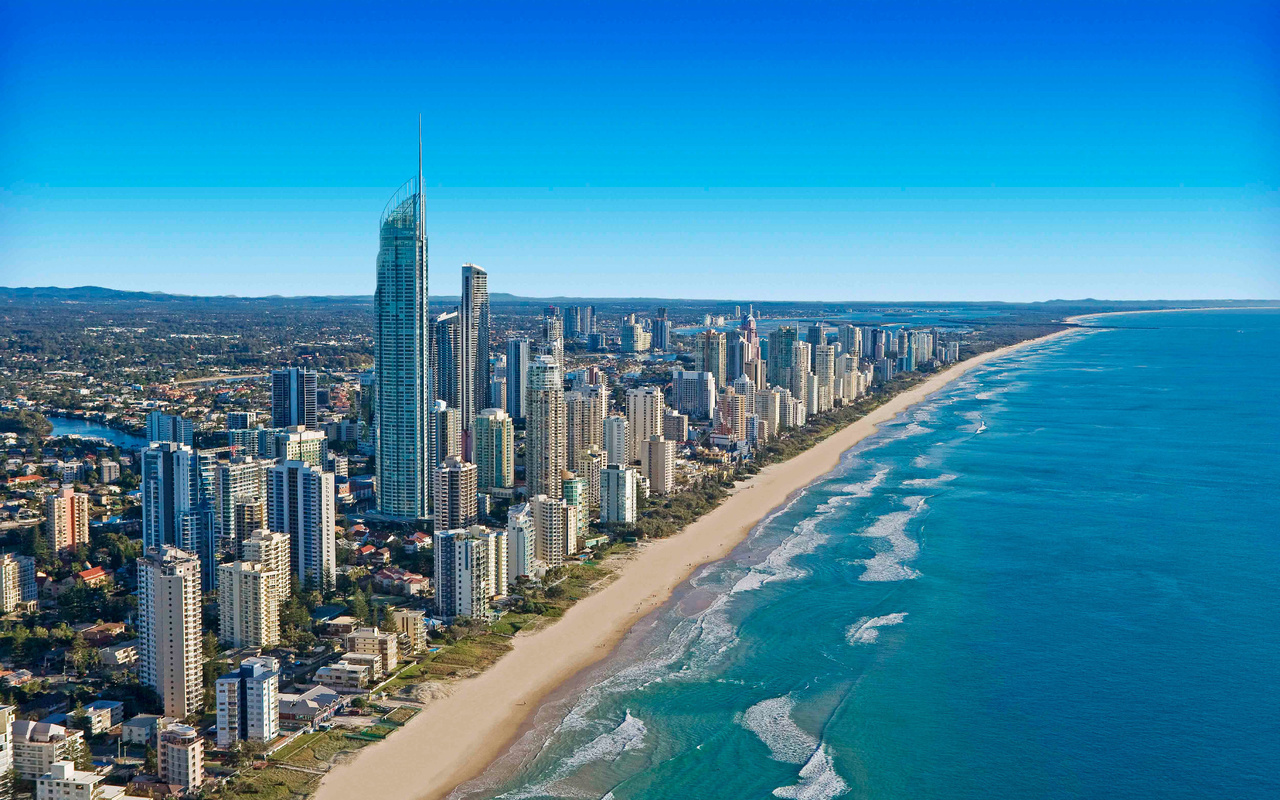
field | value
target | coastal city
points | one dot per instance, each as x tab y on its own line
217	580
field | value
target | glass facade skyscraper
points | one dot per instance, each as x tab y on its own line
402	354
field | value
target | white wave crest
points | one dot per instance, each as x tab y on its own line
938	481
608	746
770	720
818	780
887	564
867	629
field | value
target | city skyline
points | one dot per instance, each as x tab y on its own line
992	153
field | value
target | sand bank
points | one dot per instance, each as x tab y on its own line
455	738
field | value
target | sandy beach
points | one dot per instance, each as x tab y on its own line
456	737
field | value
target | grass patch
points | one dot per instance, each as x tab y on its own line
271	783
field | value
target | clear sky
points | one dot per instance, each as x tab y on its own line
846	150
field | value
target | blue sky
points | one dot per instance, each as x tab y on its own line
852	150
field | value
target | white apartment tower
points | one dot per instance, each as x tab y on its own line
169	652
545	453
248	608
645	407
300	502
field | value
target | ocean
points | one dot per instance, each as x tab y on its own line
1058	578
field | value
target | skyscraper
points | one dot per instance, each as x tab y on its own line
462	574
615	440
171	508
293	398
645	406
517	376
300	502
618	494
163	427
446	357
249	702
248	614
169	654
402	348
780	352
711	354
474	383
494	450
545	456
657	464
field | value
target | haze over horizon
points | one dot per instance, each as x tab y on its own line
861	151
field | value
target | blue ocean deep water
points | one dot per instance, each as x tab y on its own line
1058	578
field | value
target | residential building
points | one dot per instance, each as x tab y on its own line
240	487
555	529
66	519
455	494
675	426
172	514
494	448
577	497
373	642
313	707
522	536
780	355
293	398
618	494
517	376
38	745
249	702
475	331
248	605
412	625
645	407
402	347
545	444
271	550
657	464
461	574
170	657
64	782
615	440
300	502
163	427
710	355
180	757
496	542
10	583
694	393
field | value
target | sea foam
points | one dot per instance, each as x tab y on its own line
867	629
818	780
886	564
770	720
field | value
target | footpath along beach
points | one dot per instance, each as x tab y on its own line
455	738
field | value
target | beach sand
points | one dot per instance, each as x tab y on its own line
453	739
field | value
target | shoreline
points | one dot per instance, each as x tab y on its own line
484	715
1075	320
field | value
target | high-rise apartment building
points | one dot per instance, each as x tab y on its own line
694	393
461	574
173	513
10	585
675	426
300	503
455	494
711	355
584	420
476	331
446	357
66	519
522	537
618	494
299	444
658	464
402	348
555	524
249	702
162	427
577	496
553	336
517	376
293	398
446	436
546	440
780	355
169	653
645	407
494	450
616	439
248	608
238	482
271	550
590	462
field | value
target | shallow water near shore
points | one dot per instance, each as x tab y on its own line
1056	578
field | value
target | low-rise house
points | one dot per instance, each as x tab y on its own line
103	633
317	704
143	729
94	576
64	782
394	580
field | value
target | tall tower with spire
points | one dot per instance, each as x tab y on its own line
402	355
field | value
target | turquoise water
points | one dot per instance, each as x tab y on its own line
1060	578
69	426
